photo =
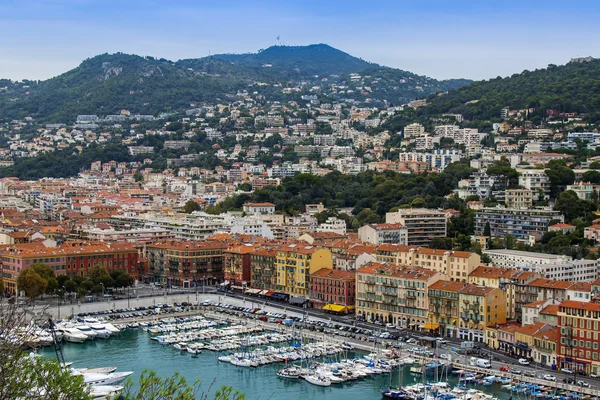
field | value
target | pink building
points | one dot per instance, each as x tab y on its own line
332	286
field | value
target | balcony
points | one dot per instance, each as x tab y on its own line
411	294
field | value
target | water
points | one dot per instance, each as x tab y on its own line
132	350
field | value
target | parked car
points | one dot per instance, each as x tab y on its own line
529	373
583	383
505	368
524	361
549	377
566	371
445	356
569	380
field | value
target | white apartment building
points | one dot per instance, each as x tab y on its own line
413	129
422	224
436	160
551	266
333	224
383	233
479	184
535	180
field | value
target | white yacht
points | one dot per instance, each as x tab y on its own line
72	335
103	379
100	329
110	327
86	330
105	391
318	380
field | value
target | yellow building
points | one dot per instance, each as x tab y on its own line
295	263
443	308
513	282
395	294
525	338
457	265
480	307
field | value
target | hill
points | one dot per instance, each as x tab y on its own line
315	59
107	83
574	87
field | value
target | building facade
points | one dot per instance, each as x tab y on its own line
422	224
331	286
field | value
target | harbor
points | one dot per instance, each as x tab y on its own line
265	359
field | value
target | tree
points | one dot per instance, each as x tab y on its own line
97	273
31	283
191	206
487	230
444	243
47	273
154	387
71	286
124	280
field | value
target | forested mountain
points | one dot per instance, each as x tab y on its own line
301	61
574	87
107	83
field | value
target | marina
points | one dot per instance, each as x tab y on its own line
266	360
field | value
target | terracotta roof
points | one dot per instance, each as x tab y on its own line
581	286
579	305
401	248
532	329
333	274
550	283
259	204
561	225
509	327
475	290
450	286
386	227
552	335
550	309
397	271
183	245
534	304
299	248
487	272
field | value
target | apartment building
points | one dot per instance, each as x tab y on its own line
457	265
236	264
186	263
535	180
333	287
73	258
519	223
295	263
443	308
422	224
395	294
479	307
550	266
518	198
412	130
578	347
263	271
383	233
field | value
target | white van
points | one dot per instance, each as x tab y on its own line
484	363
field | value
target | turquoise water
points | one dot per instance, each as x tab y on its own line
133	350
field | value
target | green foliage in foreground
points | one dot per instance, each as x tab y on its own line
155	387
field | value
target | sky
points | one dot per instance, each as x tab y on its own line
477	39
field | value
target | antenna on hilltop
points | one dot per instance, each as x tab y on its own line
278	42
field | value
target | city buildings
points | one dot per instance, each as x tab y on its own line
333	287
395	294
519	223
457	265
422	224
578	345
295	263
383	233
479	307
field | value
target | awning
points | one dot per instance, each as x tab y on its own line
280	296
269	293
298	300
262	292
225	283
237	287
252	291
334	307
432	326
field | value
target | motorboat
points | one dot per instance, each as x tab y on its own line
86	330
101	370
318	380
105	391
104	379
110	327
99	329
289	373
73	335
